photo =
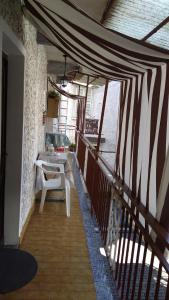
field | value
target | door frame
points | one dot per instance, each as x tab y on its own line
13	47
3	140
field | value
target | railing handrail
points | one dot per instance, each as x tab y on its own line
90	145
147	215
120	226
161	232
93	151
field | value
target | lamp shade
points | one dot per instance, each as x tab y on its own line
64	81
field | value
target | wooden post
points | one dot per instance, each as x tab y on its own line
84	110
102	117
77	117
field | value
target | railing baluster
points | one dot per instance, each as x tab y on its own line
149	276
106	221
104	199
127	271
131	260
81	154
167	290
158	282
136	266
126	259
142	270
123	248
120	242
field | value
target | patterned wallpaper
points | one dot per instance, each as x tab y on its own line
34	100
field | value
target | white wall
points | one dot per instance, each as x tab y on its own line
72	112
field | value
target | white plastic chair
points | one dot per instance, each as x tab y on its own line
60	182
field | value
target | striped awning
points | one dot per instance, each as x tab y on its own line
105	52
143	128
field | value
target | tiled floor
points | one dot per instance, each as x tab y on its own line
59	245
66	250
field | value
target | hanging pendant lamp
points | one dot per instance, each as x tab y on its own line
64	79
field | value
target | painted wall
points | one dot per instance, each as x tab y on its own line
34	99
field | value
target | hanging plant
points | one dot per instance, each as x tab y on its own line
53	104
53	95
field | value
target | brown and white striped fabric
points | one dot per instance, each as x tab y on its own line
144	75
144	139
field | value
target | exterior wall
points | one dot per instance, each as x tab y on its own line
34	100
72	113
67	114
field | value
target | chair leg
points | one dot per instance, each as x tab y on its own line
67	188
42	200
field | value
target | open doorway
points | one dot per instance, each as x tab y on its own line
3	141
12	54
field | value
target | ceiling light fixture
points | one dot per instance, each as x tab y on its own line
64	79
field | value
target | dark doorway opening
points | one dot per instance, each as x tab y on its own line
3	142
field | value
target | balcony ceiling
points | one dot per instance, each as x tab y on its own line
134	18
137	18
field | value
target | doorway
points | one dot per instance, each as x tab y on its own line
11	133
3	141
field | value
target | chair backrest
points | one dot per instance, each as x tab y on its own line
39	164
47	167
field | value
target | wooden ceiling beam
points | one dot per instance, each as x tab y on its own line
157	28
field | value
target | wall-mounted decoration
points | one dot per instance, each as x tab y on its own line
91	126
53	104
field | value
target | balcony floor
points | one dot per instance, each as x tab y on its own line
59	245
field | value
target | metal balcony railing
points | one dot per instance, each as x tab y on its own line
136	244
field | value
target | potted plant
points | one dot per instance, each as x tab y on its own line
72	147
53	94
53	104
